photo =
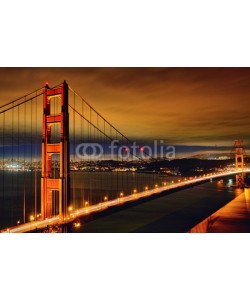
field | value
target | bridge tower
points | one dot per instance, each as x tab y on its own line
52	184
239	162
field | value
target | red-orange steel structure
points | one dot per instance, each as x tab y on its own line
239	162
50	184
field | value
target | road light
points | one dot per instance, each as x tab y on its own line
105	198
156	186
146	188
135	191
32	218
121	194
70	208
77	224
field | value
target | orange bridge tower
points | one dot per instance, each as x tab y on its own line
55	186
239	162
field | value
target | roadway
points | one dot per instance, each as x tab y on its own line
39	224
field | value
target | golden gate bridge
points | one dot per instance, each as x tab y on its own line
43	176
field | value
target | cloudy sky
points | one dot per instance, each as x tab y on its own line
184	106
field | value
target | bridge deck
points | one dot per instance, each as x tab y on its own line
102	206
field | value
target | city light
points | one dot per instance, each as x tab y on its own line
121	194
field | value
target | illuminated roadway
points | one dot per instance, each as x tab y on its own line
102	206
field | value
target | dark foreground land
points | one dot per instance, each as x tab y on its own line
175	212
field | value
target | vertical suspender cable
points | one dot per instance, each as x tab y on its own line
74	158
88	166
12	161
35	160
117	163
31	152
18	151
4	157
82	133
24	163
105	184
90	178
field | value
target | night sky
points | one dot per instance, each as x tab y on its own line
182	106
